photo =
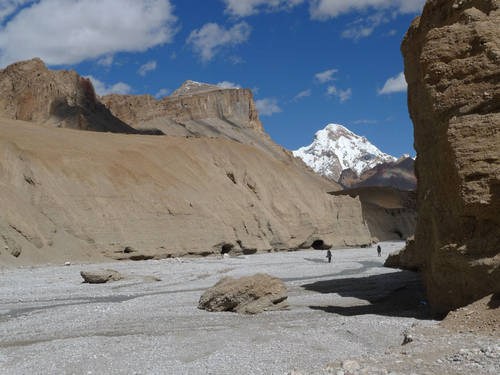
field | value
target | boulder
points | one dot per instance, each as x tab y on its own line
247	295
100	276
452	66
407	258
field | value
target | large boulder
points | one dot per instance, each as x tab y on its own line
100	276
452	66
407	258
247	295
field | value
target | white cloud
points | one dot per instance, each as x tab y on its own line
342	95
228	85
394	84
161	93
211	38
70	31
147	67
268	106
106	61
325	9
302	94
8	7
326	76
102	89
244	8
364	27
365	122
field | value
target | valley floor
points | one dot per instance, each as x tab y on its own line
351	314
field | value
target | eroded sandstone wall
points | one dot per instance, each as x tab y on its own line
452	66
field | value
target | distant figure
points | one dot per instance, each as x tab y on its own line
329	256
379	250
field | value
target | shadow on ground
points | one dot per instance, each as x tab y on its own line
398	294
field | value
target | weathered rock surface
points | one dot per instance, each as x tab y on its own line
246	295
70	195
31	92
100	276
452	66
407	258
389	213
399	174
197	110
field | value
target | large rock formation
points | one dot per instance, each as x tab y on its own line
74	195
199	110
389	213
452	66
246	295
31	92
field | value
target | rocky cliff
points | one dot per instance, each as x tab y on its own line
31	92
71	195
199	110
452	66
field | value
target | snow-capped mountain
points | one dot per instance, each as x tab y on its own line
336	148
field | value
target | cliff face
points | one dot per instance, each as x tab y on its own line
452	66
73	195
31	92
195	109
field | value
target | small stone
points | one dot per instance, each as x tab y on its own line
350	366
100	276
67	263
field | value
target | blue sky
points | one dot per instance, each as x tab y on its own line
309	62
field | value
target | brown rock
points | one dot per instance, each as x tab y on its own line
452	66
31	92
247	295
100	276
408	258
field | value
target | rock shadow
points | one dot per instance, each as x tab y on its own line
398	294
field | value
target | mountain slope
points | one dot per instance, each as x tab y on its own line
335	148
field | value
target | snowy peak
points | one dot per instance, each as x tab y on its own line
193	87
336	148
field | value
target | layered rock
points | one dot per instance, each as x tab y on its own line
389	213
452	66
199	110
31	92
246	295
399	174
73	195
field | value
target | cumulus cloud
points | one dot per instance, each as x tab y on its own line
268	106
244	8
326	76
212	38
106	61
394	84
228	85
342	95
147	67
103	89
302	95
70	31
161	93
325	9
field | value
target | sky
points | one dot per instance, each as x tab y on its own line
308	62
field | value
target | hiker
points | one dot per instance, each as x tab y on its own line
379	250
329	256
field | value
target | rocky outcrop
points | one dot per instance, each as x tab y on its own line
246	295
198	110
452	66
407	258
100	276
31	92
389	213
70	195
399	174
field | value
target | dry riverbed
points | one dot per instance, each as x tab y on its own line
349	316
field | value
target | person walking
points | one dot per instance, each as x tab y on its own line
379	250
329	256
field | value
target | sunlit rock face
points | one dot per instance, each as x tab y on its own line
452	66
